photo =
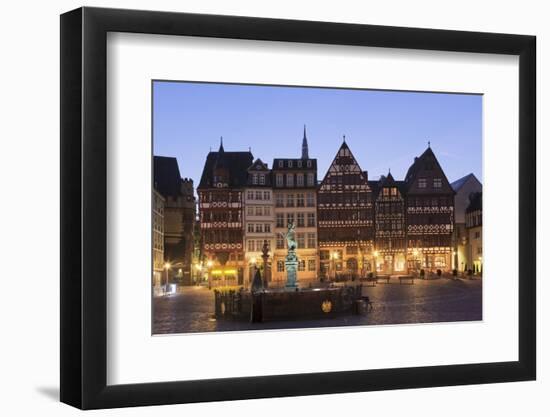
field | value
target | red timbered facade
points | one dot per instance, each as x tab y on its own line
345	210
429	215
221	214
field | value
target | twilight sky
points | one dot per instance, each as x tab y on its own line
384	129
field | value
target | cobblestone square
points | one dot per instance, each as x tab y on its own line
430	301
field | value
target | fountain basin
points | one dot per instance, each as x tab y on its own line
282	304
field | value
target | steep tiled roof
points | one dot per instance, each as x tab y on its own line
286	165
459	183
167	178
236	164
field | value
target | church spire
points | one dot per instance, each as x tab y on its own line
305	151
221	145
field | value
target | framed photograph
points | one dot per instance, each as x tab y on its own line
259	208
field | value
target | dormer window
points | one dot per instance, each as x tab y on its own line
255	179
309	163
281	164
262	179
299	163
438	183
290	164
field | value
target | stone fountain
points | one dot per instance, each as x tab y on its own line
261	303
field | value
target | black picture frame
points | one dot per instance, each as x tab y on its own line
84	207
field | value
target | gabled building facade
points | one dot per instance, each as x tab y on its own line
220	191
295	197
346	214
390	228
429	214
259	215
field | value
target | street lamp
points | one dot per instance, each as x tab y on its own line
167	266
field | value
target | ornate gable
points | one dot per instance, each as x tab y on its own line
425	176
344	173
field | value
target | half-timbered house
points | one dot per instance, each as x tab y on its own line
429	214
345	210
390	232
220	192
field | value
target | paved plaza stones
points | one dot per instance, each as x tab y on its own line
441	300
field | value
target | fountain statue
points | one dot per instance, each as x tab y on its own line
291	260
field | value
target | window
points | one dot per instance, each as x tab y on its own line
258	195
267	211
259	210
477	235
300	180
310	179
394	191
479	251
301	222
281	163
311	265
250	195
267	195
299	200
290	200
302	265
280	222
251	246
437	183
279	200
267	228
290	164
311	240
250	227
324	255
262	179
280	242
280	266
309	164
255	179
289	218
279	179
290	180
250	210
385	192
259	228
310	200
301	240
311	220
422	183
299	163
259	245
